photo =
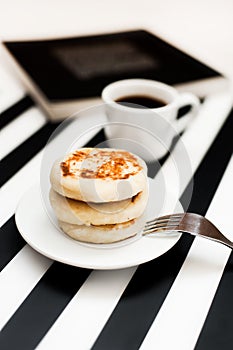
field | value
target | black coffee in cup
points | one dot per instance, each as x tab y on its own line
141	101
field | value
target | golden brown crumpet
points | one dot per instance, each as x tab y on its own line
103	233
99	175
81	213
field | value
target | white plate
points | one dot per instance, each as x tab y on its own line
41	234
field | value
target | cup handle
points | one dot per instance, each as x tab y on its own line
186	99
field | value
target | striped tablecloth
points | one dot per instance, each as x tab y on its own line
181	300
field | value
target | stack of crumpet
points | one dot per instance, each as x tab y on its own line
99	195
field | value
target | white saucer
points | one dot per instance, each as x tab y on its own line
41	234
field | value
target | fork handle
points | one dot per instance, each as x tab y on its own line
197	225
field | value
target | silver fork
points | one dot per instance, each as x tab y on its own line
194	224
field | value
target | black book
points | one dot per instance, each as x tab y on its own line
65	75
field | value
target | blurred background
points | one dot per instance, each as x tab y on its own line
203	28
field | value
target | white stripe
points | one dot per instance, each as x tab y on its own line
18	278
198	137
10	195
88	311
20	130
68	330
12	190
22	273
183	313
205	126
10	90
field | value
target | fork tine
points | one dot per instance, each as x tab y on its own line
162	222
162	226
166	226
166	218
159	229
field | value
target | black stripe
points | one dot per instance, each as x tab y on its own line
14	111
145	294
217	330
97	139
50	296
212	170
10	242
42	307
35	316
15	160
10	239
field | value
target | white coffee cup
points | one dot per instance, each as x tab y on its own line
147	132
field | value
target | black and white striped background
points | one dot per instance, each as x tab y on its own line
162	304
